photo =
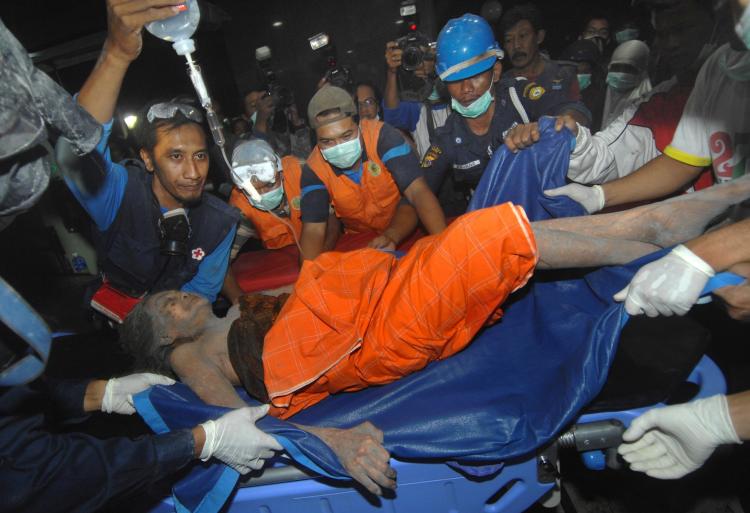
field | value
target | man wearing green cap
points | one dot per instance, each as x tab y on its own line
368	172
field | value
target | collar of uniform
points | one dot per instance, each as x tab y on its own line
355	175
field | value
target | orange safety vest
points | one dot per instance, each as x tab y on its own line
273	233
371	205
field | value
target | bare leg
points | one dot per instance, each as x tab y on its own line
563	250
622	236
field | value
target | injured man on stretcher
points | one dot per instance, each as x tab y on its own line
366	318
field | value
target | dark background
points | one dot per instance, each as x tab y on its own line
231	30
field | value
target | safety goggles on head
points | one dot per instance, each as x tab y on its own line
168	110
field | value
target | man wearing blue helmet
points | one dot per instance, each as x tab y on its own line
468	62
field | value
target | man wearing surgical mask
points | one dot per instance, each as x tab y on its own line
627	79
714	131
367	171
276	219
469	64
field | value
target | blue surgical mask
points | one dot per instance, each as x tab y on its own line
254	117
584	80
477	107
743	27
344	155
269	200
434	95
620	81
626	35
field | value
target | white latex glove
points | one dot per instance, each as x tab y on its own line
670	442
234	439
670	285
119	392
591	198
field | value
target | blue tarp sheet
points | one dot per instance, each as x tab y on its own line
521	177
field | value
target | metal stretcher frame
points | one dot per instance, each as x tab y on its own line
438	487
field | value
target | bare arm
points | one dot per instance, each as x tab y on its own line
404	222
231	289
427	206
360	449
333	231
739	411
725	247
125	21
265	109
728	248
312	240
658	178
392	61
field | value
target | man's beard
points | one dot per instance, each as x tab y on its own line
185	201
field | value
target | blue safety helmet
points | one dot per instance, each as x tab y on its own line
465	47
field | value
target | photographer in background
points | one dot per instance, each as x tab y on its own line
412	100
367	99
275	119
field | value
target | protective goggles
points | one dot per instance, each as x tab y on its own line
168	110
265	172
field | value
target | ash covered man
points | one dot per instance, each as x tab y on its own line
363	318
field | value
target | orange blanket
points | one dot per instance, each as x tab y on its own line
363	318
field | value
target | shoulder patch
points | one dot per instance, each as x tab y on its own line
533	91
296	202
432	155
374	168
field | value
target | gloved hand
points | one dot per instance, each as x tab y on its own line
670	285
119	392
591	198
668	443
234	439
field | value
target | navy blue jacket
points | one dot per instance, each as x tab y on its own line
42	470
130	247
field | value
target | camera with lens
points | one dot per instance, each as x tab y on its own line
413	46
340	76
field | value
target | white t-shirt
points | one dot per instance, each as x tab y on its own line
715	125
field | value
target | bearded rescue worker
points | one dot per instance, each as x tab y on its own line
156	229
363	171
468	62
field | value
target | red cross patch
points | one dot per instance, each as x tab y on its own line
198	254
